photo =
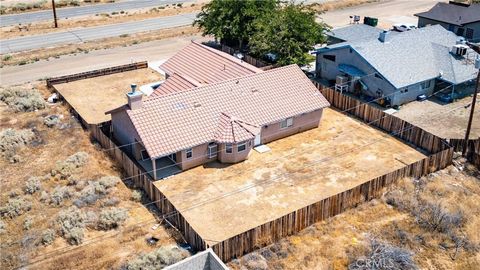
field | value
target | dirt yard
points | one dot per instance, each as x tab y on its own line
337	242
24	226
92	97
298	171
451	125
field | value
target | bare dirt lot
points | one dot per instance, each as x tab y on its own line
37	186
92	97
451	125
398	221
298	171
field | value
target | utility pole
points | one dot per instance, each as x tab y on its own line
472	110
476	48
54	13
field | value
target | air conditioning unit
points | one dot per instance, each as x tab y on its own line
459	49
340	80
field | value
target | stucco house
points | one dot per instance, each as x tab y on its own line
218	121
460	18
396	68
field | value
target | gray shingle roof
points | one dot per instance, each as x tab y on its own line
355	32
452	13
415	56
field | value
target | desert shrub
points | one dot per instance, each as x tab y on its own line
2	226
12	139
14	193
114	201
157	259
22	100
51	121
384	256
255	261
112	218
434	217
67	167
27	223
91	219
137	195
48	236
15	207
109	181
32	185
59	194
71	223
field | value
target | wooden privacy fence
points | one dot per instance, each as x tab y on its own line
247	58
96	73
440	156
473	149
384	121
300	219
141	179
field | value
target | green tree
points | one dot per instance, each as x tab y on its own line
290	33
232	21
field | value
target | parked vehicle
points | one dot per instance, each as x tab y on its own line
402	27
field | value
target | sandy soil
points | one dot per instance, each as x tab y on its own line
109	249
452	125
334	243
286	178
92	97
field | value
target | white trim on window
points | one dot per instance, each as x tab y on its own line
189	153
242	145
228	148
286	122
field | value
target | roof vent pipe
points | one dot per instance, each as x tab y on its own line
134	87
384	36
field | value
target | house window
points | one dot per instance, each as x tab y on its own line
460	31
189	153
425	84
241	147
469	34
451	27
286	123
212	150
228	148
330	57
144	155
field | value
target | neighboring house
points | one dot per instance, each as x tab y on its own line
352	32
219	121
398	67
462	19
204	260
197	65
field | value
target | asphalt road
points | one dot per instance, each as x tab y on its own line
70	12
93	33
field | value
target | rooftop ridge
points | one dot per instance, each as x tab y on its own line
151	99
229	57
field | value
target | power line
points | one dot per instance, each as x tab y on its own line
164	216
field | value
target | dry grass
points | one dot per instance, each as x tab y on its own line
96	20
332	5
20	6
38	160
335	243
55	52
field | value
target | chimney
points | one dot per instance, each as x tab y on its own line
384	36
134	98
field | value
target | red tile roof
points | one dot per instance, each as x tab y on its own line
173	122
201	65
233	130
173	84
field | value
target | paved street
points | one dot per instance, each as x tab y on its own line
93	33
70	12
